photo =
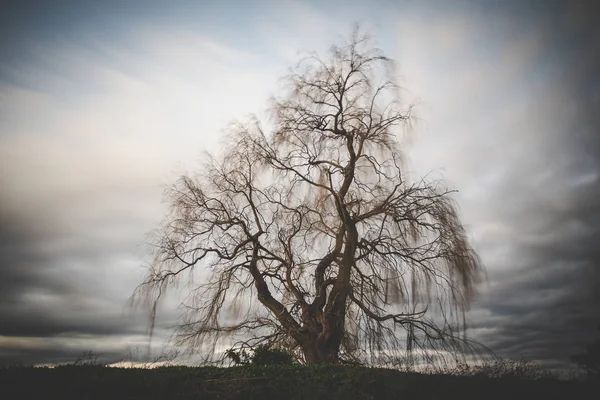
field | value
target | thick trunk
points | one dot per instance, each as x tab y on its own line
318	351
326	327
322	338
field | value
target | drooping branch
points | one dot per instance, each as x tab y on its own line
313	230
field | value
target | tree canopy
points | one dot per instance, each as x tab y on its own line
311	233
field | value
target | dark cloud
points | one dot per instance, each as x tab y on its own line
522	144
542	300
69	280
69	258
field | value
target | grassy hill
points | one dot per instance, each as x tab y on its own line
276	382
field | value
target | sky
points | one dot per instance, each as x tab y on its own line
103	104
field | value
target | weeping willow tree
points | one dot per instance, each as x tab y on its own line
310	235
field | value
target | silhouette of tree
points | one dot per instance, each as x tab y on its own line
314	238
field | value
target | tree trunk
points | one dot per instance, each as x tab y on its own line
322	341
318	351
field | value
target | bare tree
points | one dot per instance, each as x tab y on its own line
312	236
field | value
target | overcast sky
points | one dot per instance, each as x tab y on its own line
104	103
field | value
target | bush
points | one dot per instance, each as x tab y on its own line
264	355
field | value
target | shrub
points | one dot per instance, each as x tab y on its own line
261	355
265	355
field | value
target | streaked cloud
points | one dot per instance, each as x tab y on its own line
97	118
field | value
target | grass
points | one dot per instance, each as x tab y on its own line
282	382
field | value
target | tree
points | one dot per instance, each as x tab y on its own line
314	231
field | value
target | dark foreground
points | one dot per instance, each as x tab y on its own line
274	382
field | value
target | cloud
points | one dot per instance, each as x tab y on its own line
508	112
95	123
86	153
